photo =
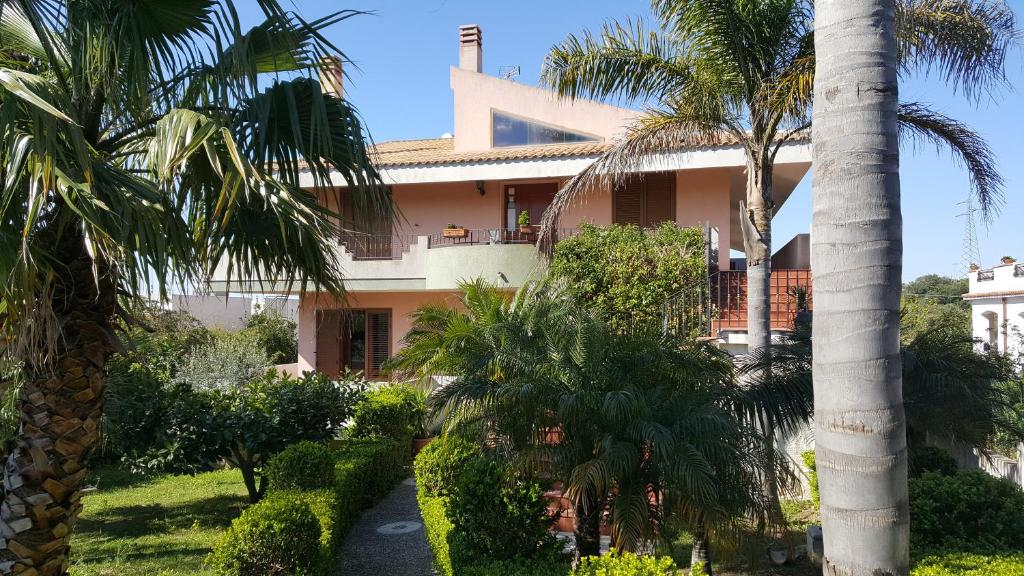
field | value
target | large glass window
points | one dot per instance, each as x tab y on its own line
511	131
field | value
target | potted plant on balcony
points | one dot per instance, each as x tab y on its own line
1007	260
974	267
524	223
453	231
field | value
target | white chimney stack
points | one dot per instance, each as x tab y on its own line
471	56
331	75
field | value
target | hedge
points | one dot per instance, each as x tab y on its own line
297	532
437	527
970	565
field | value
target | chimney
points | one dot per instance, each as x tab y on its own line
331	76
471	55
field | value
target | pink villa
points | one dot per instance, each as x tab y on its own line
513	147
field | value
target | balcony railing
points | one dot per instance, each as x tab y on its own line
377	247
1018	270
986	275
476	237
789	293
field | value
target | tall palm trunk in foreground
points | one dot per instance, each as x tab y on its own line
60	418
856	259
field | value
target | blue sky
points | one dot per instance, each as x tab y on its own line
404	50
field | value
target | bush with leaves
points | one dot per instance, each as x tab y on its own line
229	362
261	417
497	515
627	272
930	459
303	466
626	564
969	511
391	411
961	564
812	476
277	537
276	334
440	463
150	423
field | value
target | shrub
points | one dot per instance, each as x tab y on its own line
390	411
966	512
627	272
275	334
931	459
625	564
367	470
437	527
970	565
812	476
267	414
440	462
496	516
305	466
229	363
279	536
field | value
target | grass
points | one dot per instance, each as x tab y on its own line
156	526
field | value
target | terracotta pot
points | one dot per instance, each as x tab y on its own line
419	444
454	232
526	229
1009	261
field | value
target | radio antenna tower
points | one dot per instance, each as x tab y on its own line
969	253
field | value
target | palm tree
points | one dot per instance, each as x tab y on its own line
647	426
744	69
144	144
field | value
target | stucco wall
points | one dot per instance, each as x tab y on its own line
1002	299
477	94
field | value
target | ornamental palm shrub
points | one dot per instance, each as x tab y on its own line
647	425
146	144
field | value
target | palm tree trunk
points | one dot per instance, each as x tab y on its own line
756	227
857	262
60	404
588	529
701	553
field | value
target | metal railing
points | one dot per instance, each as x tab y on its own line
986	275
1018	270
377	246
789	290
484	236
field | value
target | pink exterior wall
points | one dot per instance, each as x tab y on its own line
477	94
401	305
702	196
427	208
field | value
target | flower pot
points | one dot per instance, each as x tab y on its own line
527	229
974	267
1007	260
419	444
454	232
778	556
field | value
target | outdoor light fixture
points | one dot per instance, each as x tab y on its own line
480	187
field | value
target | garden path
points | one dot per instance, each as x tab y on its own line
388	539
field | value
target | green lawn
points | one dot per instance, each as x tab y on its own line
157	526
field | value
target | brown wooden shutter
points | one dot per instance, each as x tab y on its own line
378	341
628	202
659	198
328	342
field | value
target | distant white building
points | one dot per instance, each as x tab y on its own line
996	296
231	312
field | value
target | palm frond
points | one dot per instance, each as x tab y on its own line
918	122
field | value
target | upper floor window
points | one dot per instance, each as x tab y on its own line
507	130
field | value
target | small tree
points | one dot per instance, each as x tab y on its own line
262	417
276	334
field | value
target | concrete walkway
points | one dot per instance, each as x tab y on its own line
388	539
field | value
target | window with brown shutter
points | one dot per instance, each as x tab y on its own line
646	199
356	339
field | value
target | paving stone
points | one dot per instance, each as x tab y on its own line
388	539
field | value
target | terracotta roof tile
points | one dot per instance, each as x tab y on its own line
442	151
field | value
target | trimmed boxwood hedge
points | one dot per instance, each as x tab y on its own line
970	565
297	532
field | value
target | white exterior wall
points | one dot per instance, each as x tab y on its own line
232	312
998	303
